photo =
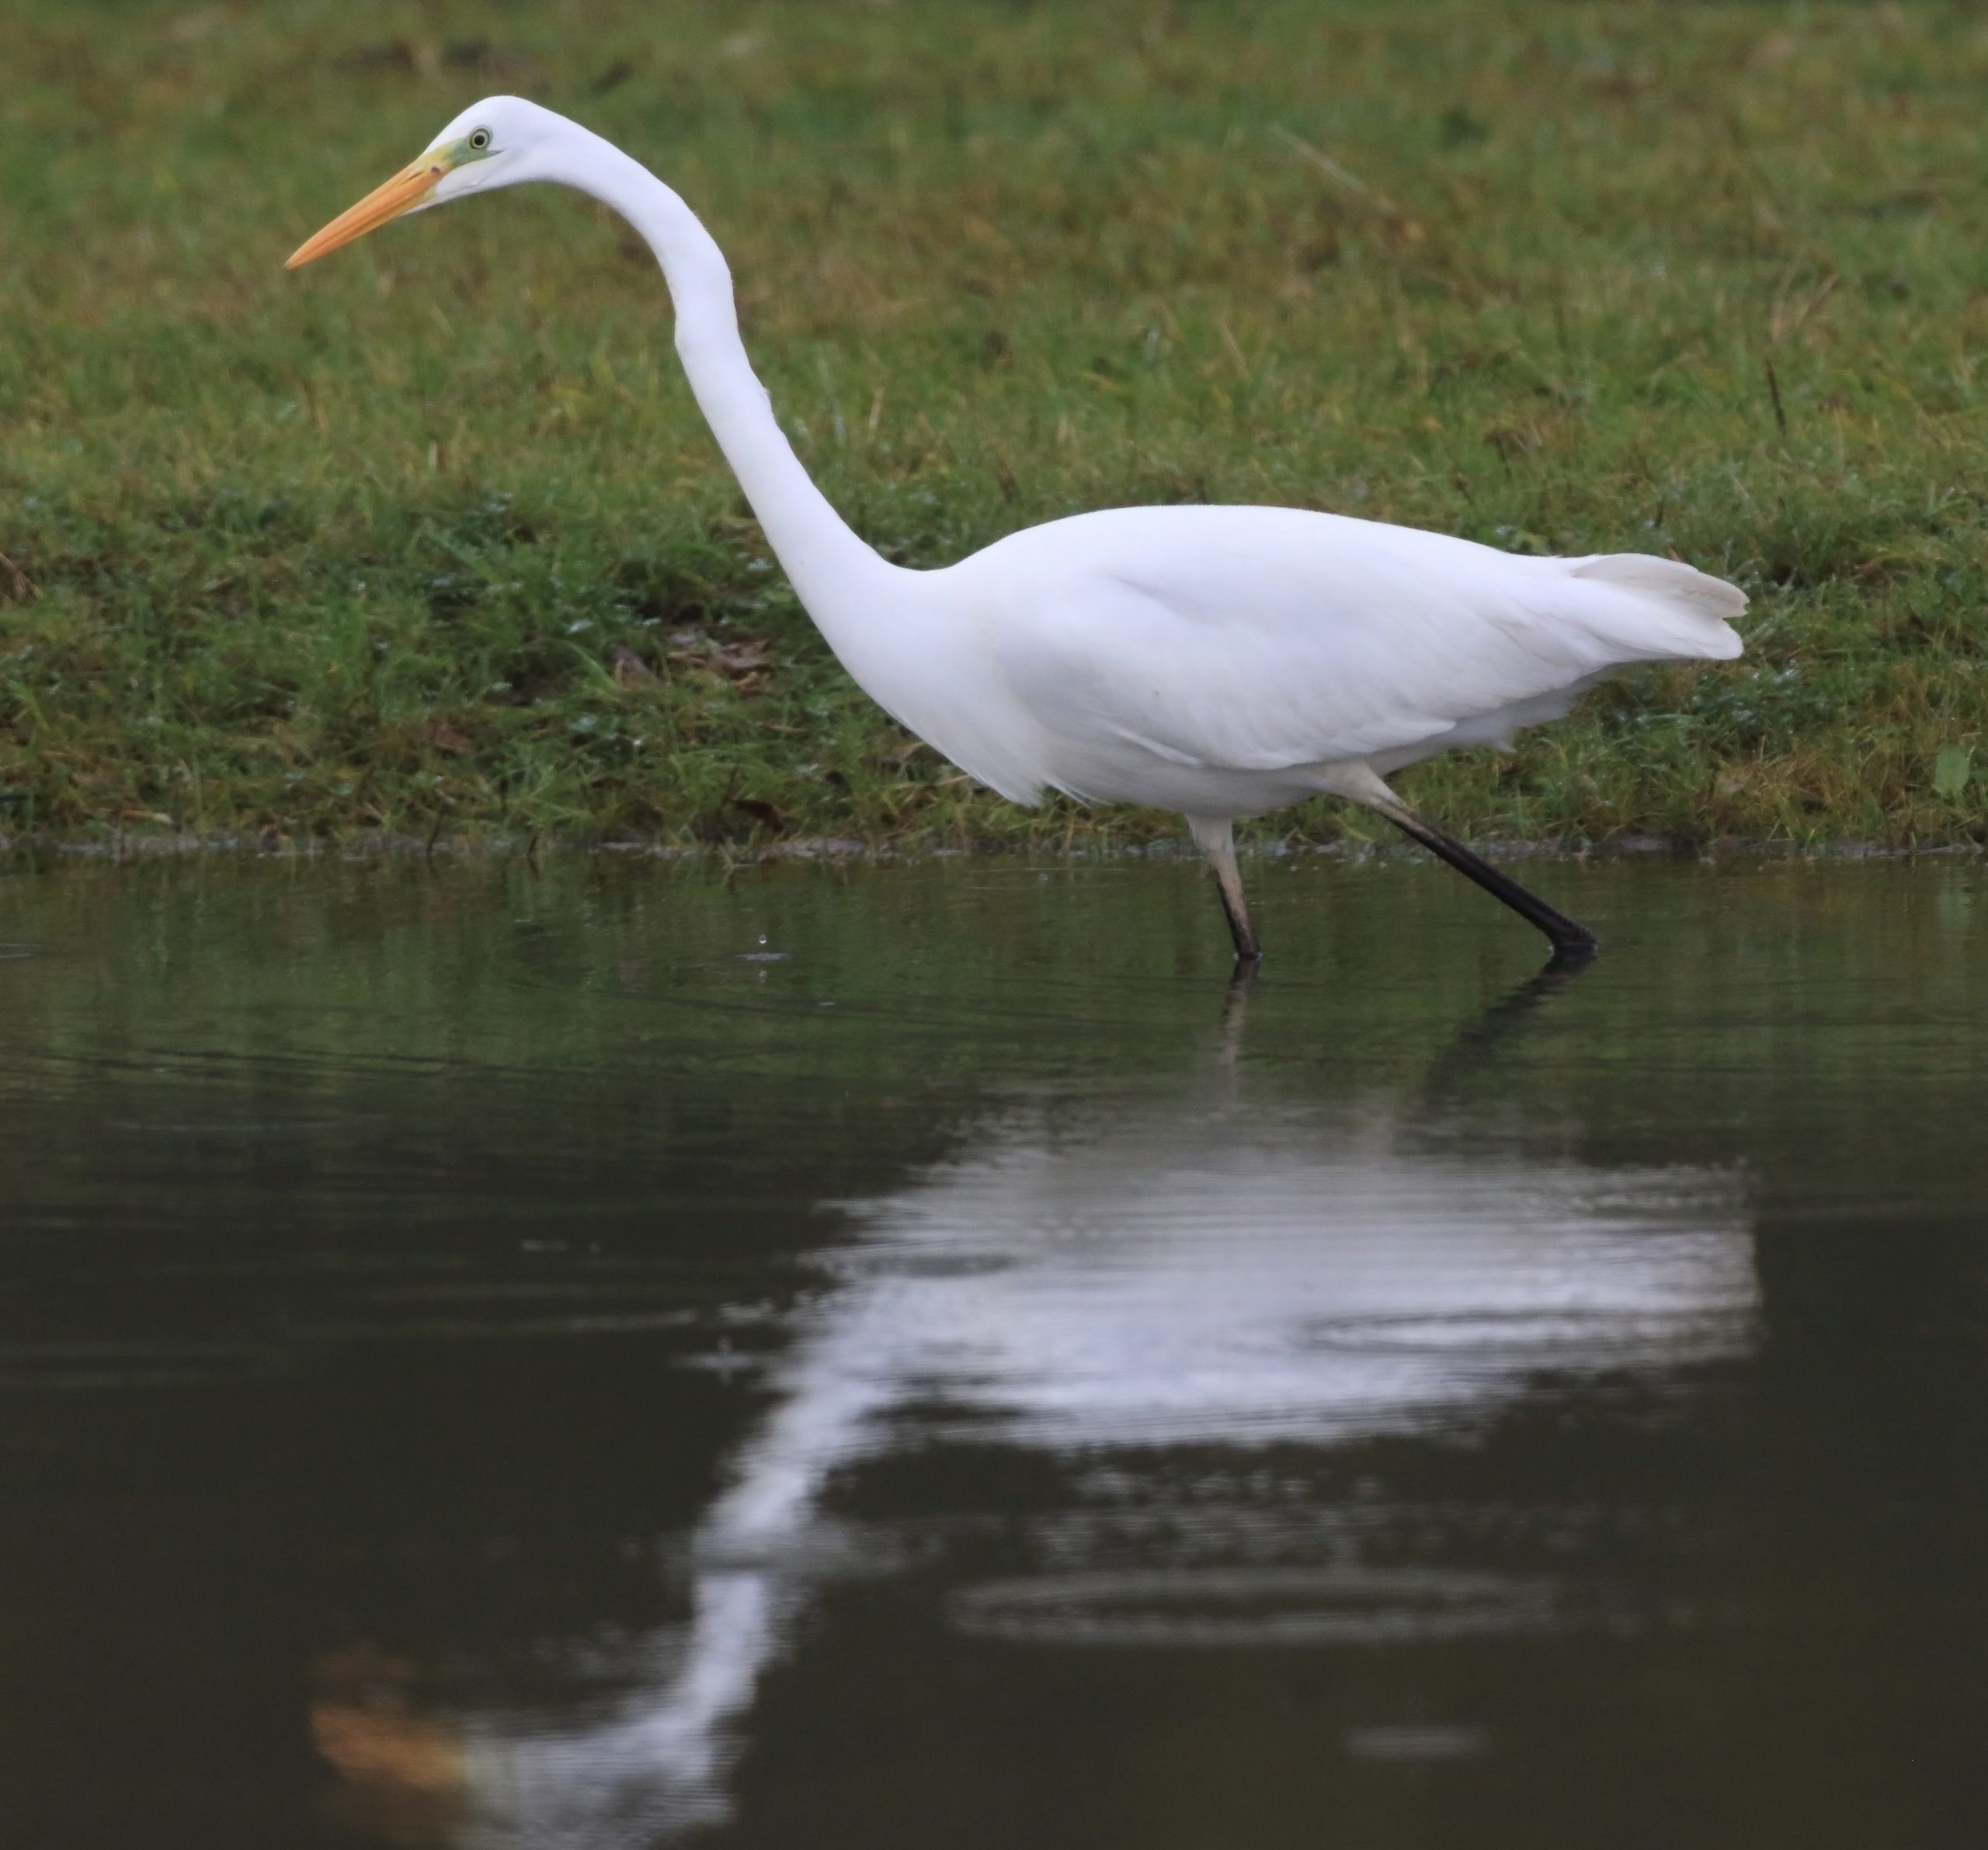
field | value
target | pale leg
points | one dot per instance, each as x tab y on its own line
1216	840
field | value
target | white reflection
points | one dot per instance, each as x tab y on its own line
1186	1271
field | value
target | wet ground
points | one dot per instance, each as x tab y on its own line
903	1356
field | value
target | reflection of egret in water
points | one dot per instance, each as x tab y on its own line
1113	1282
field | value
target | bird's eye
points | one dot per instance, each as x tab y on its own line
479	139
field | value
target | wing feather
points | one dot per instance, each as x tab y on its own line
1263	639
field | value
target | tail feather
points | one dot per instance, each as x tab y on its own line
1682	593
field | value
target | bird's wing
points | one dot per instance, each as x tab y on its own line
1289	646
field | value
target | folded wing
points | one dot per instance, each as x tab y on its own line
1262	643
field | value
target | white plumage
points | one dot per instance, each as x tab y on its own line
1222	661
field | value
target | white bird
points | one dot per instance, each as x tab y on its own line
1223	662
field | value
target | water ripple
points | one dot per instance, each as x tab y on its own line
1257	1607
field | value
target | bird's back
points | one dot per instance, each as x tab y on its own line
1257	641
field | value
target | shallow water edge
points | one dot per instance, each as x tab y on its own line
916	848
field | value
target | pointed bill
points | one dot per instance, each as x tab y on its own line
401	193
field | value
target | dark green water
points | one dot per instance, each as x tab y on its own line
898	1357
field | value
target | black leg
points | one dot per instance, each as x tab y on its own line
1573	945
1249	951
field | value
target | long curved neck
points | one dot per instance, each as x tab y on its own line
823	557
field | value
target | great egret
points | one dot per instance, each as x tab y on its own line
1222	661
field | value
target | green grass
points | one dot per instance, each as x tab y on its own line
429	538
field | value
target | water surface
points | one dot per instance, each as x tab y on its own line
616	1355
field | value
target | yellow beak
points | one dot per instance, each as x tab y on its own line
401	193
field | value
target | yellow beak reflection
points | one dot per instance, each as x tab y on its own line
401	193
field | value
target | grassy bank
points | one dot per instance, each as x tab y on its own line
429	537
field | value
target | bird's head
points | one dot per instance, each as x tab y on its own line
497	142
